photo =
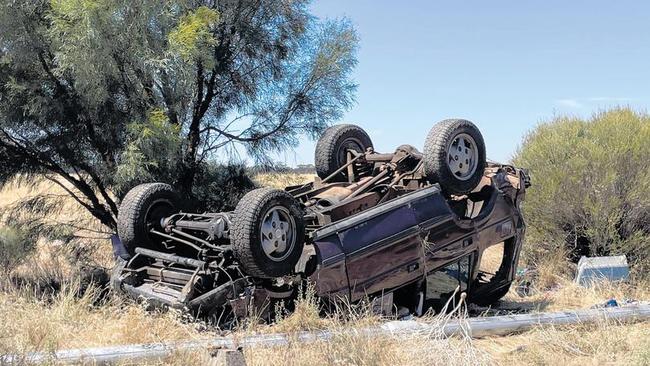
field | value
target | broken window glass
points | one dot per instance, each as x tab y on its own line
442	283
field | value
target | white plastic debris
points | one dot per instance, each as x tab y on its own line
596	269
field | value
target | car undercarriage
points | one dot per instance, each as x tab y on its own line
408	226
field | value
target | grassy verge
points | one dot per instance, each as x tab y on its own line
66	317
66	320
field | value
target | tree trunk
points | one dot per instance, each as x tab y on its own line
190	165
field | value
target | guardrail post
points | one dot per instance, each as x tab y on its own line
226	357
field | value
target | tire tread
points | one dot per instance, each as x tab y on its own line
130	217
325	159
246	217
435	156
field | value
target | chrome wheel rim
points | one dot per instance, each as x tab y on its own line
278	233
462	156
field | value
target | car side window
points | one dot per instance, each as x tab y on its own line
442	283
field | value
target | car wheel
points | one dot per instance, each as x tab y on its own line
141	210
332	147
267	232
454	156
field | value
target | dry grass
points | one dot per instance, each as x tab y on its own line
281	180
34	321
603	343
352	349
92	236
568	295
491	260
30	323
351	345
65	320
553	289
553	270
599	344
70	212
364	349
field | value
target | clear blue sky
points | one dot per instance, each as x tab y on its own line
505	65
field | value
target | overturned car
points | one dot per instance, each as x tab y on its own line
407	227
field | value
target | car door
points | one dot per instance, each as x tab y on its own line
383	245
383	252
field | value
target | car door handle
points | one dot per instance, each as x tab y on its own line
467	242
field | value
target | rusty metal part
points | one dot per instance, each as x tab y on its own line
179	240
379	157
335	191
215	225
355	186
219	295
355	205
179	276
192	237
351	176
171	258
321	187
255	301
336	194
190	287
343	167
370	182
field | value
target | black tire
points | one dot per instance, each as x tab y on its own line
247	239
436	156
141	210
331	149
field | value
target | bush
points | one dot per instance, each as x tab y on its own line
591	186
13	248
219	187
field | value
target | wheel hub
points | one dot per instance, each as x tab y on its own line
462	156
348	144
278	233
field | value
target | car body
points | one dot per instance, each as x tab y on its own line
371	226
404	240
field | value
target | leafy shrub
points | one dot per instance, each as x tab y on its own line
219	187
13	248
152	154
591	186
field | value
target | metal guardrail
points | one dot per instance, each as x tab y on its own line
477	327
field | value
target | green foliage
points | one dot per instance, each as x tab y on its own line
591	186
13	248
219	187
31	217
100	95
151	154
192	38
98	42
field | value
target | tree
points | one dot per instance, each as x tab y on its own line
99	95
591	186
